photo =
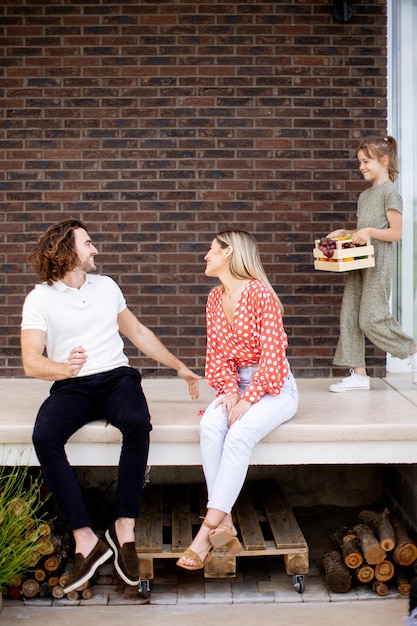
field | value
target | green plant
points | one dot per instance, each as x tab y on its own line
21	531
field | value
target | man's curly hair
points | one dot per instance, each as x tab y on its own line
55	253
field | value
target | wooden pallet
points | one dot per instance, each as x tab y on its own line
171	516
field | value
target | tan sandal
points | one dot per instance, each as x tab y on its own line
224	537
195	556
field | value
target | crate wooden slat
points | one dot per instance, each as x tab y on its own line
266	525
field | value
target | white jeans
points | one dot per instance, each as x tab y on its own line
226	452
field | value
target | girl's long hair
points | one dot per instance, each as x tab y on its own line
245	262
378	147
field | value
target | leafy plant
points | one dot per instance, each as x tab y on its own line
21	531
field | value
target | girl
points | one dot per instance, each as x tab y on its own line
365	306
247	365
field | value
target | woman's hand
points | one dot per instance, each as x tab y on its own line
228	402
238	411
237	408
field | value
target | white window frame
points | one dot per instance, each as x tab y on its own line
402	102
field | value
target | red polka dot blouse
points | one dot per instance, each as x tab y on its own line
256	337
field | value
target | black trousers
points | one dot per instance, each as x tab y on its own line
116	396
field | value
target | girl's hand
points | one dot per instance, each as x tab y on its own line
238	411
340	232
361	236
337	233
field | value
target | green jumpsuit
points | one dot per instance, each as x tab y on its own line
366	299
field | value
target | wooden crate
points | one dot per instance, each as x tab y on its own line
266	525
363	258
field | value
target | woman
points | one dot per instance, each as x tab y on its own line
255	391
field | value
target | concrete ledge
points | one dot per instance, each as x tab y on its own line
377	426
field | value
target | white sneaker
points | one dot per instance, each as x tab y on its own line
354	382
413	358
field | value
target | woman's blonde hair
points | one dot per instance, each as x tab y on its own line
245	262
377	148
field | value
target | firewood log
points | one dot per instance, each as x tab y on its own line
335	573
44	545
381	525
53	581
365	573
33	562
405	551
66	570
39	575
403	584
58	592
384	571
53	562
57	541
380	588
44	530
14	592
347	542
341	535
87	594
45	590
30	588
73	595
352	552
372	551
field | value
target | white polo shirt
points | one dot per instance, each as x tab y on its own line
79	317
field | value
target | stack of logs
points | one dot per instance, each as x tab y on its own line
377	551
49	572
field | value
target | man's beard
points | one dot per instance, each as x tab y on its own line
88	266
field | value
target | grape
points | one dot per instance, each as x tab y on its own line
327	246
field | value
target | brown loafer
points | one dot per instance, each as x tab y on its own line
84	567
126	559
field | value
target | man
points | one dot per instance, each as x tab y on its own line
70	335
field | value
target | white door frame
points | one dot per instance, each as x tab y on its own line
402	102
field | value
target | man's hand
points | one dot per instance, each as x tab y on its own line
192	380
37	365
77	358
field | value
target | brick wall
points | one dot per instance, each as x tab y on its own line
161	122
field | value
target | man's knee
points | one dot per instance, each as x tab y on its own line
135	423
